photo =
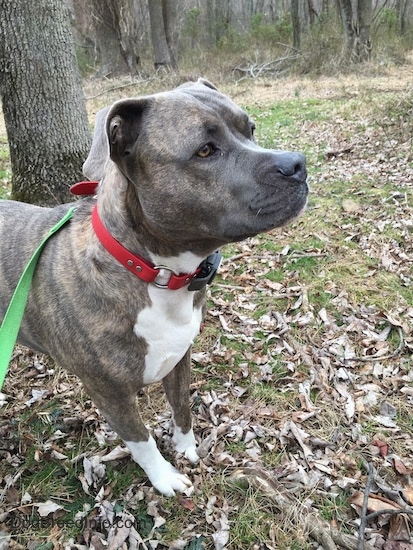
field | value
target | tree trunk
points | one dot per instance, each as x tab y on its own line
170	17
346	12
162	52
115	34
222	19
401	7
356	27
210	22
312	12
43	103
364	18
295	19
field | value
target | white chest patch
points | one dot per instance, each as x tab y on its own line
169	326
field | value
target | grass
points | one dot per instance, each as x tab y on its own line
5	171
334	278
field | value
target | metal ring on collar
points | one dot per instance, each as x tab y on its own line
171	271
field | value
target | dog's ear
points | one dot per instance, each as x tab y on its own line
123	125
207	83
202	81
94	165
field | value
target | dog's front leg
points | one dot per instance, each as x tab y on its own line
176	385
119	407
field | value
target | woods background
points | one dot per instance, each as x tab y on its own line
122	36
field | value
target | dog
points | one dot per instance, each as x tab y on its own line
180	175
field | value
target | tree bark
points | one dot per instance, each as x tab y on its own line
210	22
162	52
170	17
43	103
401	6
356	27
346	12
295	19
364	18
115	35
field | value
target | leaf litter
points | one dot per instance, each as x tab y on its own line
302	388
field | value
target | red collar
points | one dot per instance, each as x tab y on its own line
135	264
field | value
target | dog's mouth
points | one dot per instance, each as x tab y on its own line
266	211
253	213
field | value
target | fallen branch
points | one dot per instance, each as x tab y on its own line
363	518
274	66
388	512
328	537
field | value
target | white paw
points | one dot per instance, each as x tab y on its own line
167	480
163	476
192	455
186	444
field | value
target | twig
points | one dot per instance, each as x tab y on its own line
236	257
363	521
78	458
394	494
389	512
229	287
374	358
298	256
254	70
288	46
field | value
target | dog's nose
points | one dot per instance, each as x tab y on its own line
291	164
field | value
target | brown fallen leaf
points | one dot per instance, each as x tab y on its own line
375	503
186	503
117	453
383	447
400	467
301	416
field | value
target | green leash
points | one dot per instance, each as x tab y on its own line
9	328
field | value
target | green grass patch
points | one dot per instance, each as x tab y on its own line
5	170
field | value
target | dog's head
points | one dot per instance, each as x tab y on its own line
191	157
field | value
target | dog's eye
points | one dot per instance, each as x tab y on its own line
206	151
253	128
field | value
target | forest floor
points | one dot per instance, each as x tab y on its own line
302	387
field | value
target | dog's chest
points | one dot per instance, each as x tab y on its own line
169	326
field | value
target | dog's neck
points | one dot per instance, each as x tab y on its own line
121	212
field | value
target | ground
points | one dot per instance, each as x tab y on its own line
302	378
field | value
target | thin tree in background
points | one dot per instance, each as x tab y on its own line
363	26
43	103
356	27
401	9
295	19
346	12
162	15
